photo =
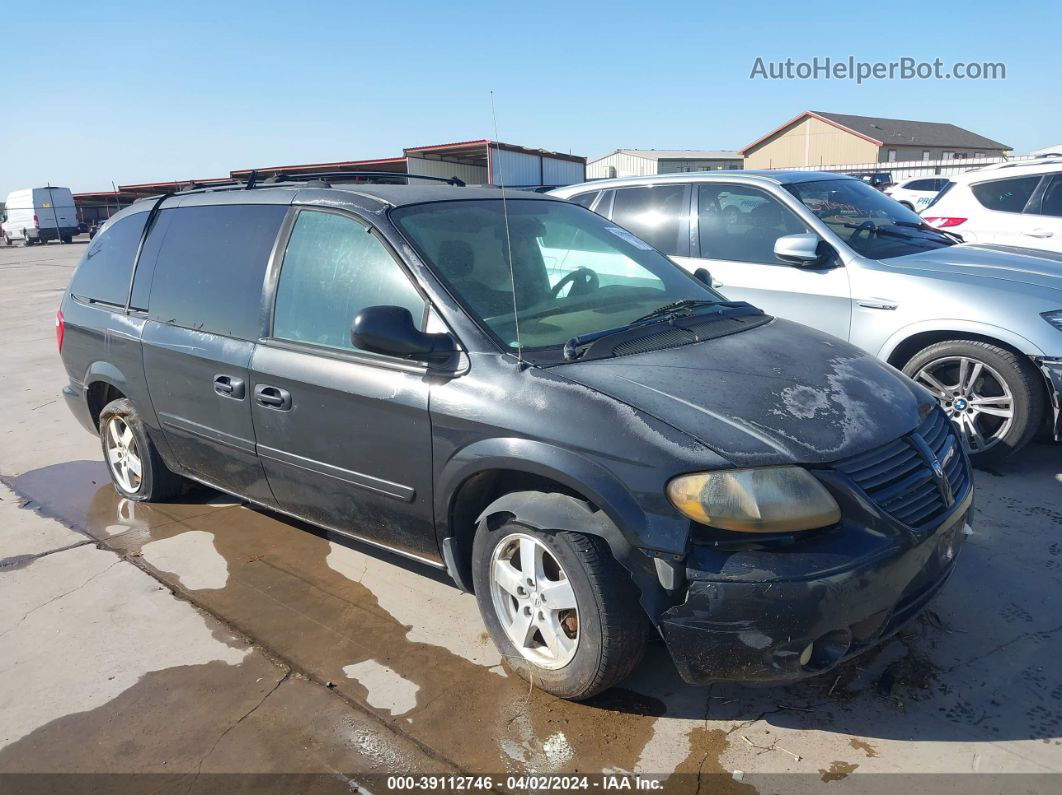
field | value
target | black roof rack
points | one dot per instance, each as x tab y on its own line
317	178
325	176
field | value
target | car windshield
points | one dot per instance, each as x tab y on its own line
573	272
870	222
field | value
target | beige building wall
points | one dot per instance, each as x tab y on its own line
809	143
904	153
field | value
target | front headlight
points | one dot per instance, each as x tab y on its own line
1054	318
765	500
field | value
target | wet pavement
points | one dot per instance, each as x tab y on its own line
358	657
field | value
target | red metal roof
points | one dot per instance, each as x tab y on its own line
361	165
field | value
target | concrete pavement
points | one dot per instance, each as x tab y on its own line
284	648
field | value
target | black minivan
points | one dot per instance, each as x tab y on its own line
514	389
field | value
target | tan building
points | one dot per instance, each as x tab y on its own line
815	139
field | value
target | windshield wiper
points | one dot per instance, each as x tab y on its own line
672	309
575	347
880	230
924	227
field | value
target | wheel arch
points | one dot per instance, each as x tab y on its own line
550	488
103	383
906	342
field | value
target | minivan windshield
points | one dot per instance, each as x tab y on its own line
573	272
872	224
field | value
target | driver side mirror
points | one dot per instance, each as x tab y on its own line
390	330
803	250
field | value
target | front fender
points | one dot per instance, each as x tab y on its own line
554	511
954	325
661	533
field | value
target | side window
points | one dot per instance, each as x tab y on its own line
104	272
658	214
1052	201
585	199
210	267
1005	195
740	223
920	184
333	268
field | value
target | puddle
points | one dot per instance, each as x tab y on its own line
425	662
385	688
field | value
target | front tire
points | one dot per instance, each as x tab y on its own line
136	468
558	606
993	396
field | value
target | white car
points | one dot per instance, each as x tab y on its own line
917	192
1010	204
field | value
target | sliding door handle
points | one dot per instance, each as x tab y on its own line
272	397
230	387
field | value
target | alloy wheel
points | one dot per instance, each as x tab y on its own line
975	397
534	601
123	455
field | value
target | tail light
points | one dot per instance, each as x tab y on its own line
944	223
36	222
60	329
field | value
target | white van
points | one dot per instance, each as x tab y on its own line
37	215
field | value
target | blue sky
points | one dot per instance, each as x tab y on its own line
136	92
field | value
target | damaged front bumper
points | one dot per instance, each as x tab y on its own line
1052	370
759	628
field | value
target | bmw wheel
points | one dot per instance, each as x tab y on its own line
993	396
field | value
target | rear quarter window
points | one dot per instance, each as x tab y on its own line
104	272
1005	195
211	265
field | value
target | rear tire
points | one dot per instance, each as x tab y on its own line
136	468
607	626
998	397
67	239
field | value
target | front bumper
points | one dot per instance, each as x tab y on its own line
1052	370
755	630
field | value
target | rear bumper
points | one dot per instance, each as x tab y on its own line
756	632
51	233
75	399
1052	370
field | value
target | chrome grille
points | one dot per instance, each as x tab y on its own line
900	477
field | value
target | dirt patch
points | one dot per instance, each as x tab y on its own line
837	771
865	747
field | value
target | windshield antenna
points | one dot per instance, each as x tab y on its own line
508	238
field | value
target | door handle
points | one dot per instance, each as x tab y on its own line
230	387
1038	233
272	397
876	303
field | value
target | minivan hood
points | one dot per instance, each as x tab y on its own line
781	393
1010	263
